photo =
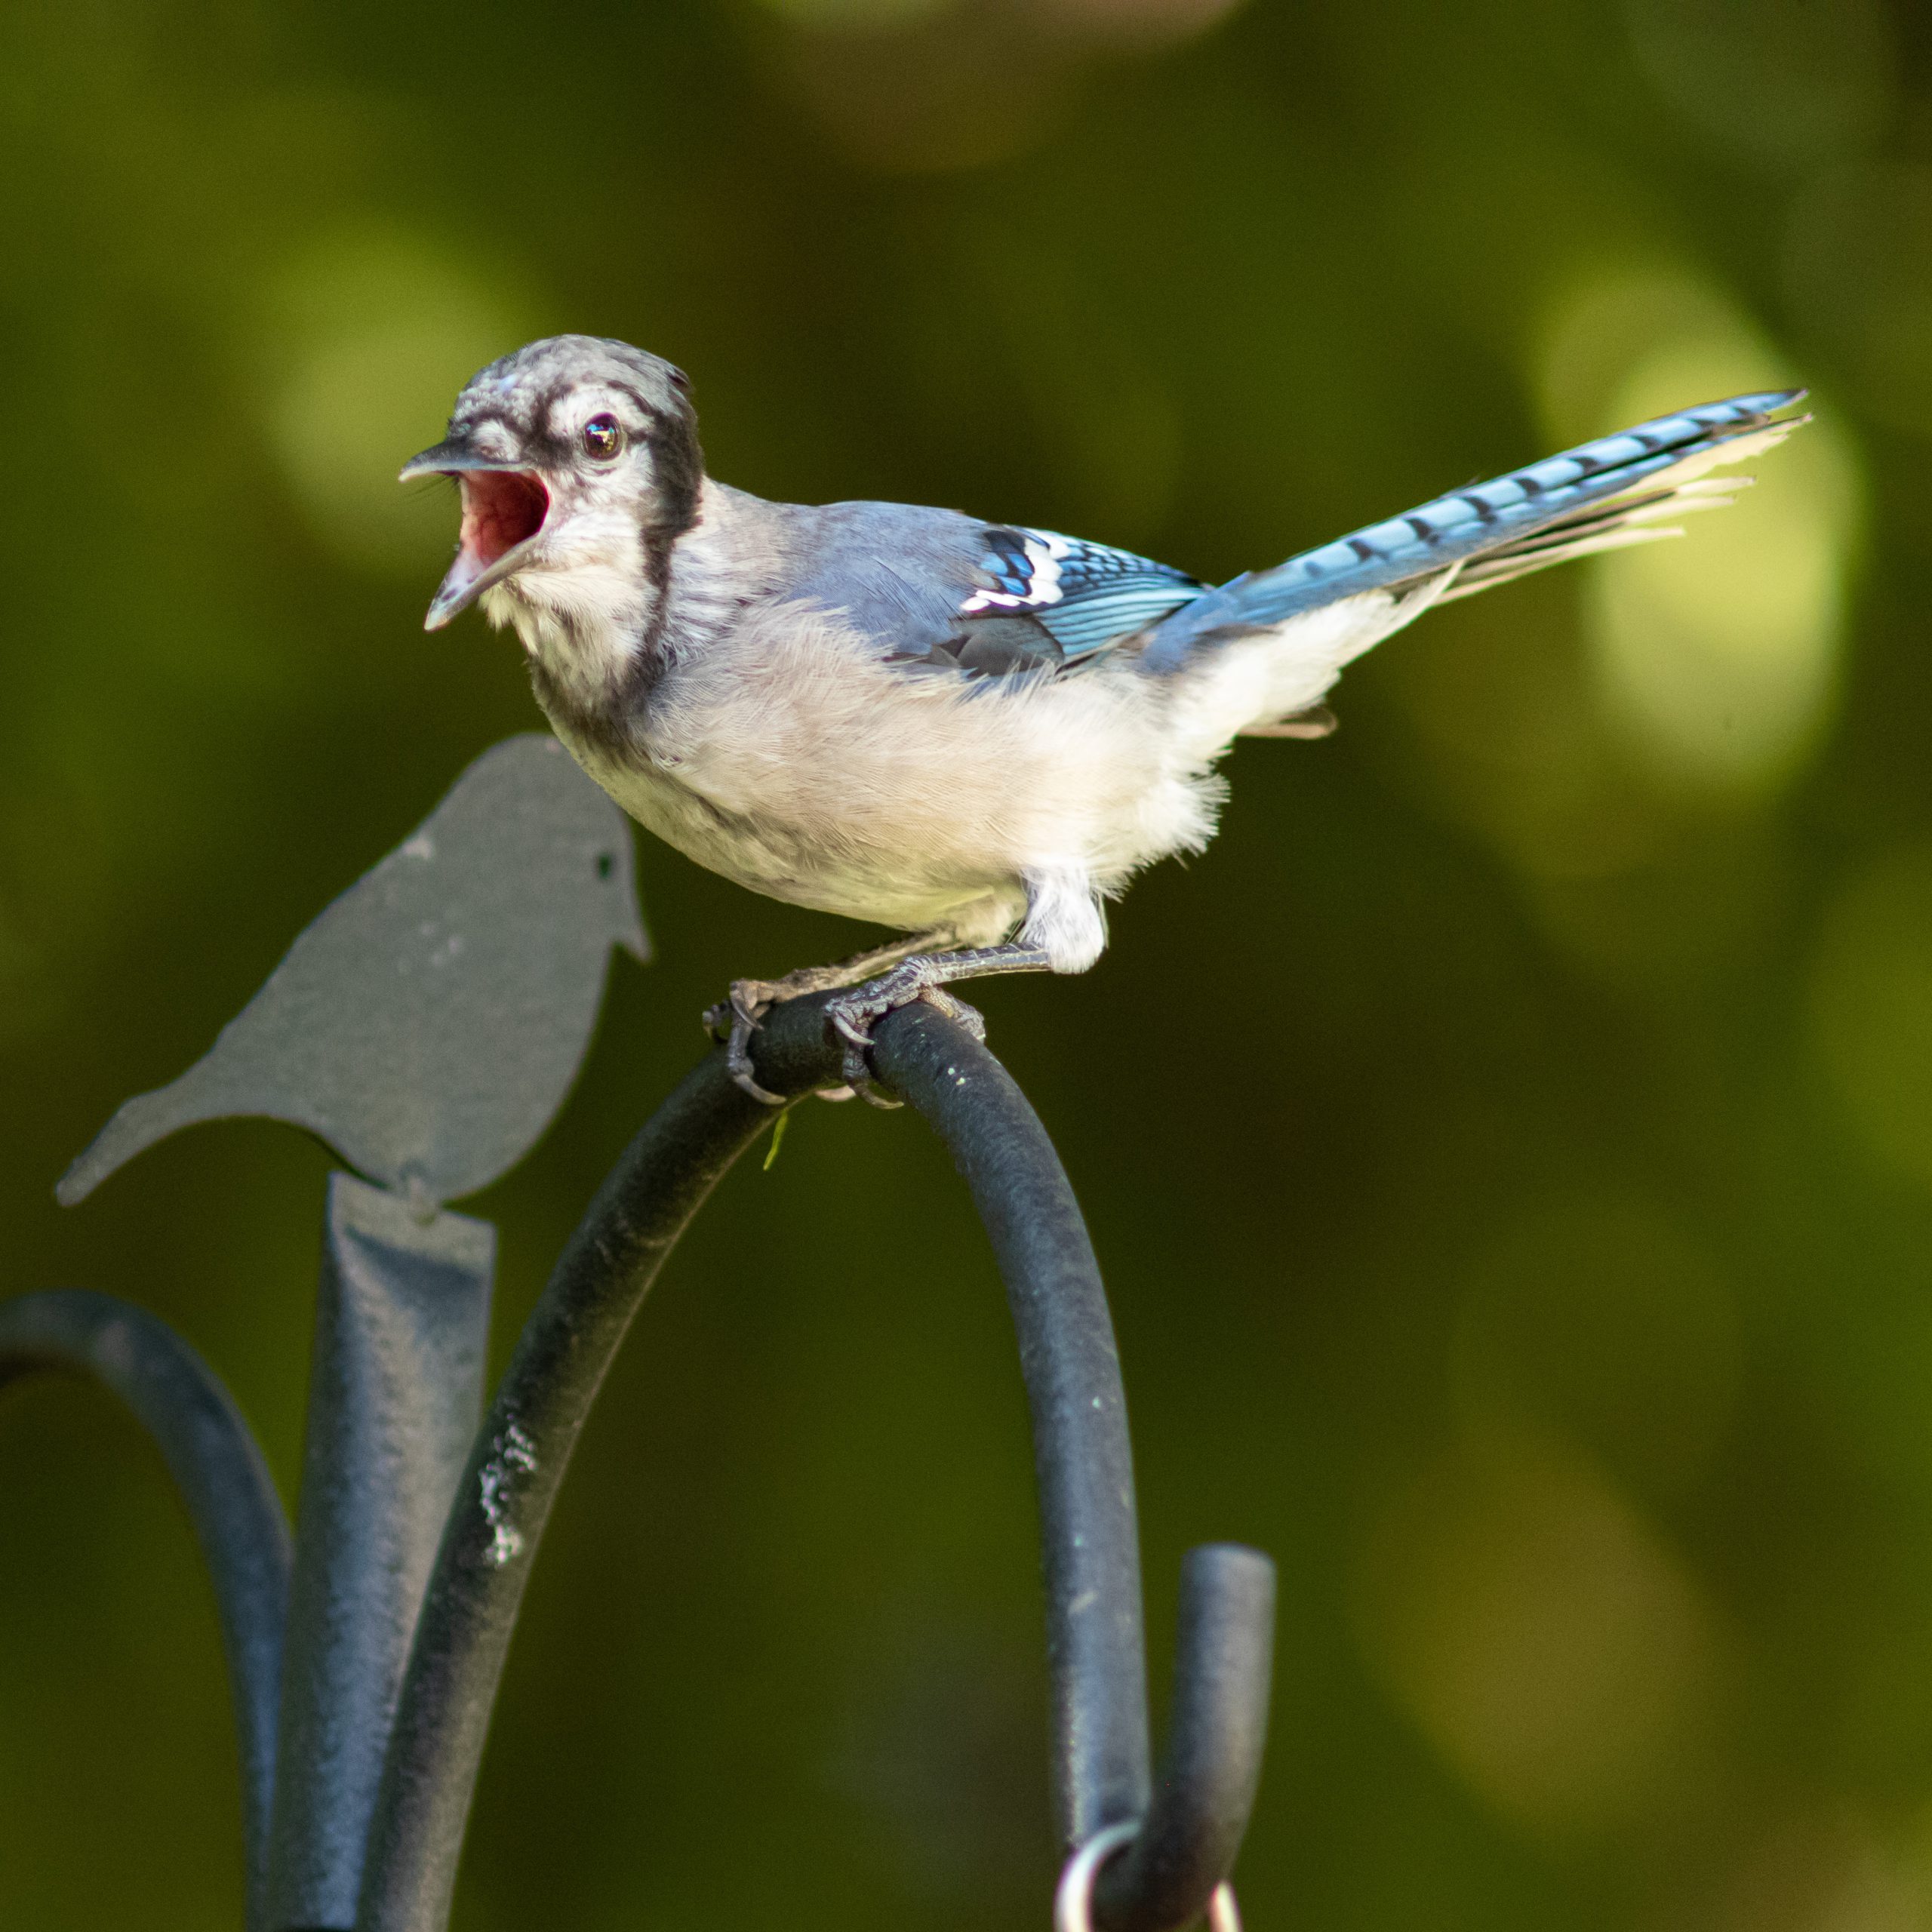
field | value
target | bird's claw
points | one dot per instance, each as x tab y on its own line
954	1008
733	1021
853	1014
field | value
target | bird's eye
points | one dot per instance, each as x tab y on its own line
603	436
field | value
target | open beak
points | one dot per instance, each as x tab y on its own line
503	510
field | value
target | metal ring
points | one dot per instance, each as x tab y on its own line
1073	1897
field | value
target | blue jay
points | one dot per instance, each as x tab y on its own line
972	733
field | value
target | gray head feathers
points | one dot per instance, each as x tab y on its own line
579	466
525	392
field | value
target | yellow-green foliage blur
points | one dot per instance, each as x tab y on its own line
1509	1148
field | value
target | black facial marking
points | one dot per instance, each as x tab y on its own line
677	461
547	446
603	723
678	472
544	397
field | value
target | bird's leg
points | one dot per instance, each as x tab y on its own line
921	976
734	1019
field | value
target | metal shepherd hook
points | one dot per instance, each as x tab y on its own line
365	1670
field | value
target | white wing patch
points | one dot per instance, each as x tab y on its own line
1085	595
1027	572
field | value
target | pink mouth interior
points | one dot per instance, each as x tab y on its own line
500	507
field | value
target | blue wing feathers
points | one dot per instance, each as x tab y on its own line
1084	595
1081	628
1088	596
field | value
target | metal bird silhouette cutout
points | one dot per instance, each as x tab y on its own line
428	1024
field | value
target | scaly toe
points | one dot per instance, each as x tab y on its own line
859	1079
852	1015
740	1017
738	1064
953	1007
854	1028
743	1008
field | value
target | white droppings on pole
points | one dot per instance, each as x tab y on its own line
511	1453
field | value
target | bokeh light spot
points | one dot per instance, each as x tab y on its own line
856	16
1542	1638
1817	1868
372	333
1717	653
1135	22
1622	764
931	89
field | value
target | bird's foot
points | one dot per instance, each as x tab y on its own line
735	1020
738	1016
916	973
855	1012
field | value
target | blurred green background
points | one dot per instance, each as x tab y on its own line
1510	1149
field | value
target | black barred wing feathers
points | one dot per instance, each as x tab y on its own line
1085	596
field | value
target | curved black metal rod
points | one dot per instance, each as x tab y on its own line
1083	1462
462	1636
1193	1828
1217	1725
1080	1451
231	1498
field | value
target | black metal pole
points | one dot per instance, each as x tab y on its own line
504	1499
1191	1827
1217	1724
396	1393
1082	1455
1083	1463
222	1478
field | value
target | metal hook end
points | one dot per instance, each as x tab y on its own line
1073	1898
1186	1844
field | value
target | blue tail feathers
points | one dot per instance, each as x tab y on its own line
1576	488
